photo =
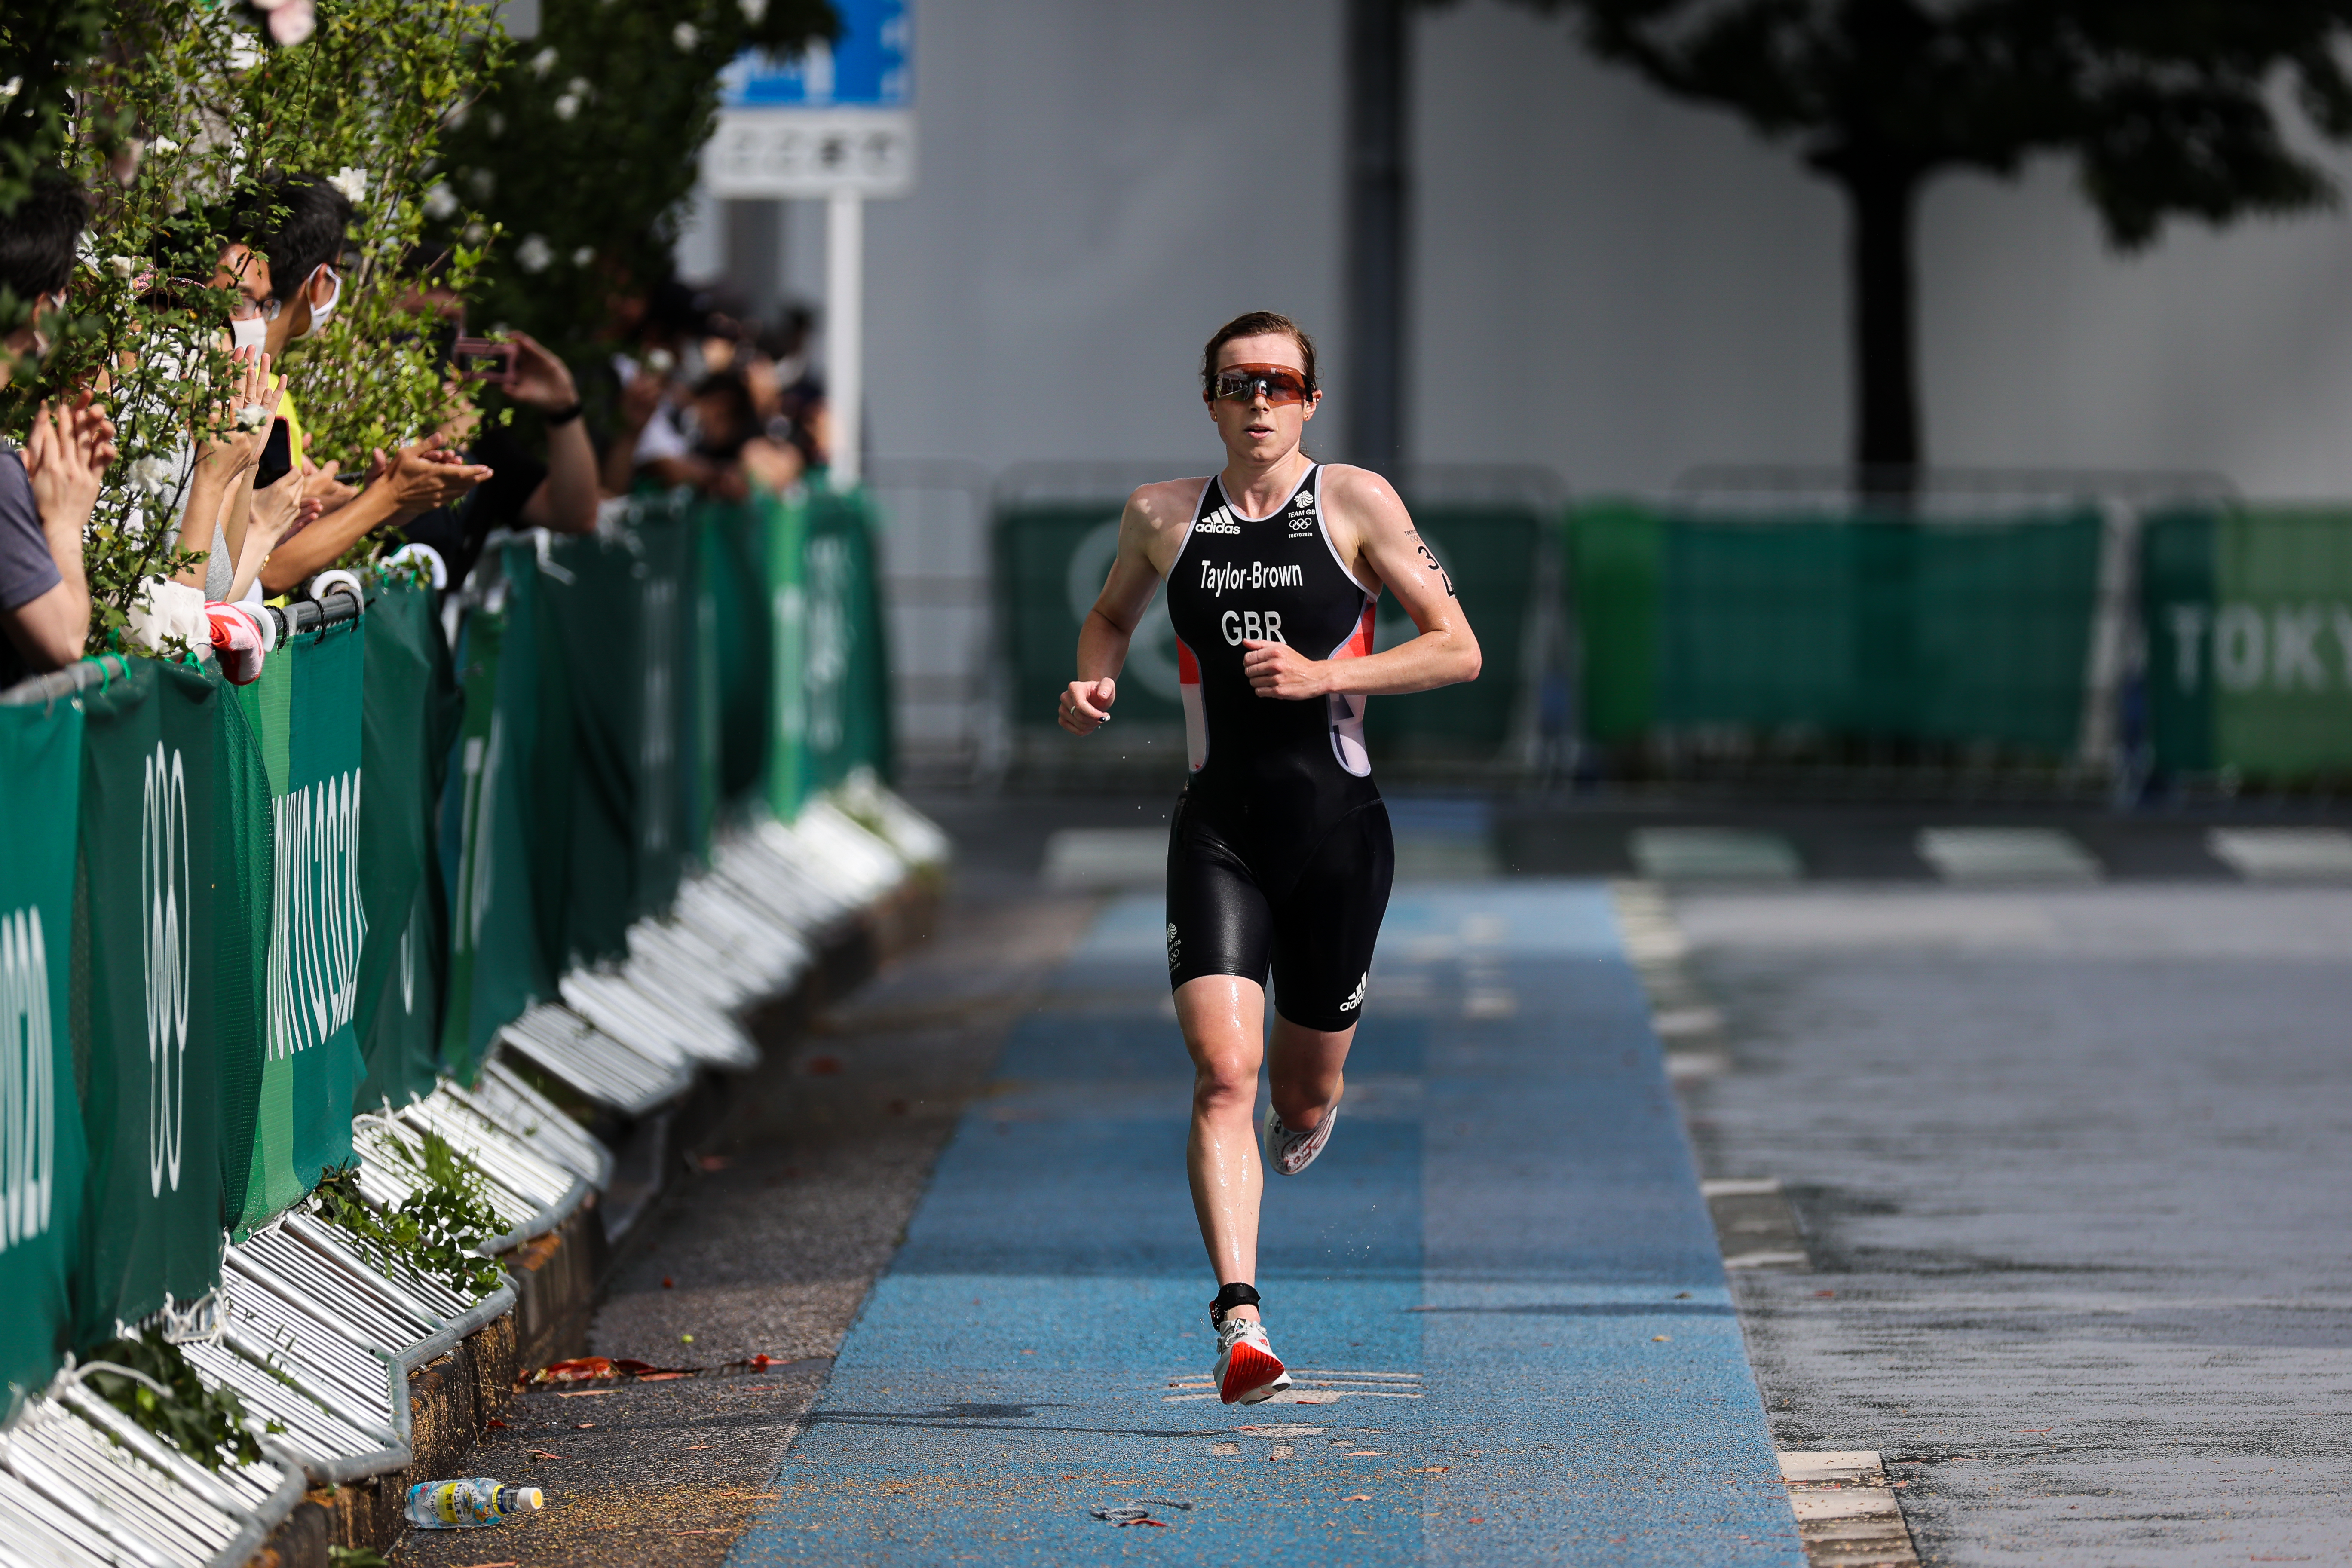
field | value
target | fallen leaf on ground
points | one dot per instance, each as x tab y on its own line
1429	1469
1152	1523
663	1377
491	1565
668	1283
494	1421
1358	1497
578	1369
690	1447
585	1392
581	1425
543	1454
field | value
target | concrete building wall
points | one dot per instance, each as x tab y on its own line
1607	282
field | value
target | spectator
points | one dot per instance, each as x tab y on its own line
788	395
730	452
47	489
560	494
285	237
667	327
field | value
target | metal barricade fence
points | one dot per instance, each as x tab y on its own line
396	893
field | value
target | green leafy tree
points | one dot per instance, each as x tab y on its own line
582	147
45	51
2166	108
183	106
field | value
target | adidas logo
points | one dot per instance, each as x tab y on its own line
1175	947
1219	522
1355	998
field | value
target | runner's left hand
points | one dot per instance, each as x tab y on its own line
1277	670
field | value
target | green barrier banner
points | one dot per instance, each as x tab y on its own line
788	650
594	608
734	557
309	703
497	965
2249	618
410	711
1919	631
42	1155
144	1026
846	661
1617	569
667	749
243	905
1051	561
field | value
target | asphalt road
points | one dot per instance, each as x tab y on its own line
2072	1168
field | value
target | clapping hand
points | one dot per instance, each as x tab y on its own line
240	448
65	456
278	509
427	475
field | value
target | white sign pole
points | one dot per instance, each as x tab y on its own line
844	329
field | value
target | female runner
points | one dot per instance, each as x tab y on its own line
1279	857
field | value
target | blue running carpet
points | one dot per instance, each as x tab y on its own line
1498	1290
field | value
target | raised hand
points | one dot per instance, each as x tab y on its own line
277	511
320	484
426	475
540	379
65	456
240	448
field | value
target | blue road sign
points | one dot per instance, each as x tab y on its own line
870	66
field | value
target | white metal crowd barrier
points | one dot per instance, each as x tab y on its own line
319	1339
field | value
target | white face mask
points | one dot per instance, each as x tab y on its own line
249	333
319	312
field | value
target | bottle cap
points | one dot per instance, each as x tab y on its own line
526	1499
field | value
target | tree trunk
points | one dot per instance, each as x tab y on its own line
1885	376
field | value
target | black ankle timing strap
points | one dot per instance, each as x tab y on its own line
1228	1298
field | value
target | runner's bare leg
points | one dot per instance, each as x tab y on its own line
1305	1072
1223	1020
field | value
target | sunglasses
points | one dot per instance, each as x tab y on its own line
1246	383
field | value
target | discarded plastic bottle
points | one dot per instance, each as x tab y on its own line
467	1504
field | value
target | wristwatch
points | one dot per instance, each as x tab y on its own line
563	415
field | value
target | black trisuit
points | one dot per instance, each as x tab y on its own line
1280	854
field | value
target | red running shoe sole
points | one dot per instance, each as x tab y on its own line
1248	1370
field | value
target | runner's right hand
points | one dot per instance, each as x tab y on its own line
1086	705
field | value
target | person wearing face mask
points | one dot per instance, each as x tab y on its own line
48	488
285	238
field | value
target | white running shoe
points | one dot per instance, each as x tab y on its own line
1247	1369
1289	1153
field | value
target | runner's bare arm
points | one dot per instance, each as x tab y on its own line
1144	526
1370	526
